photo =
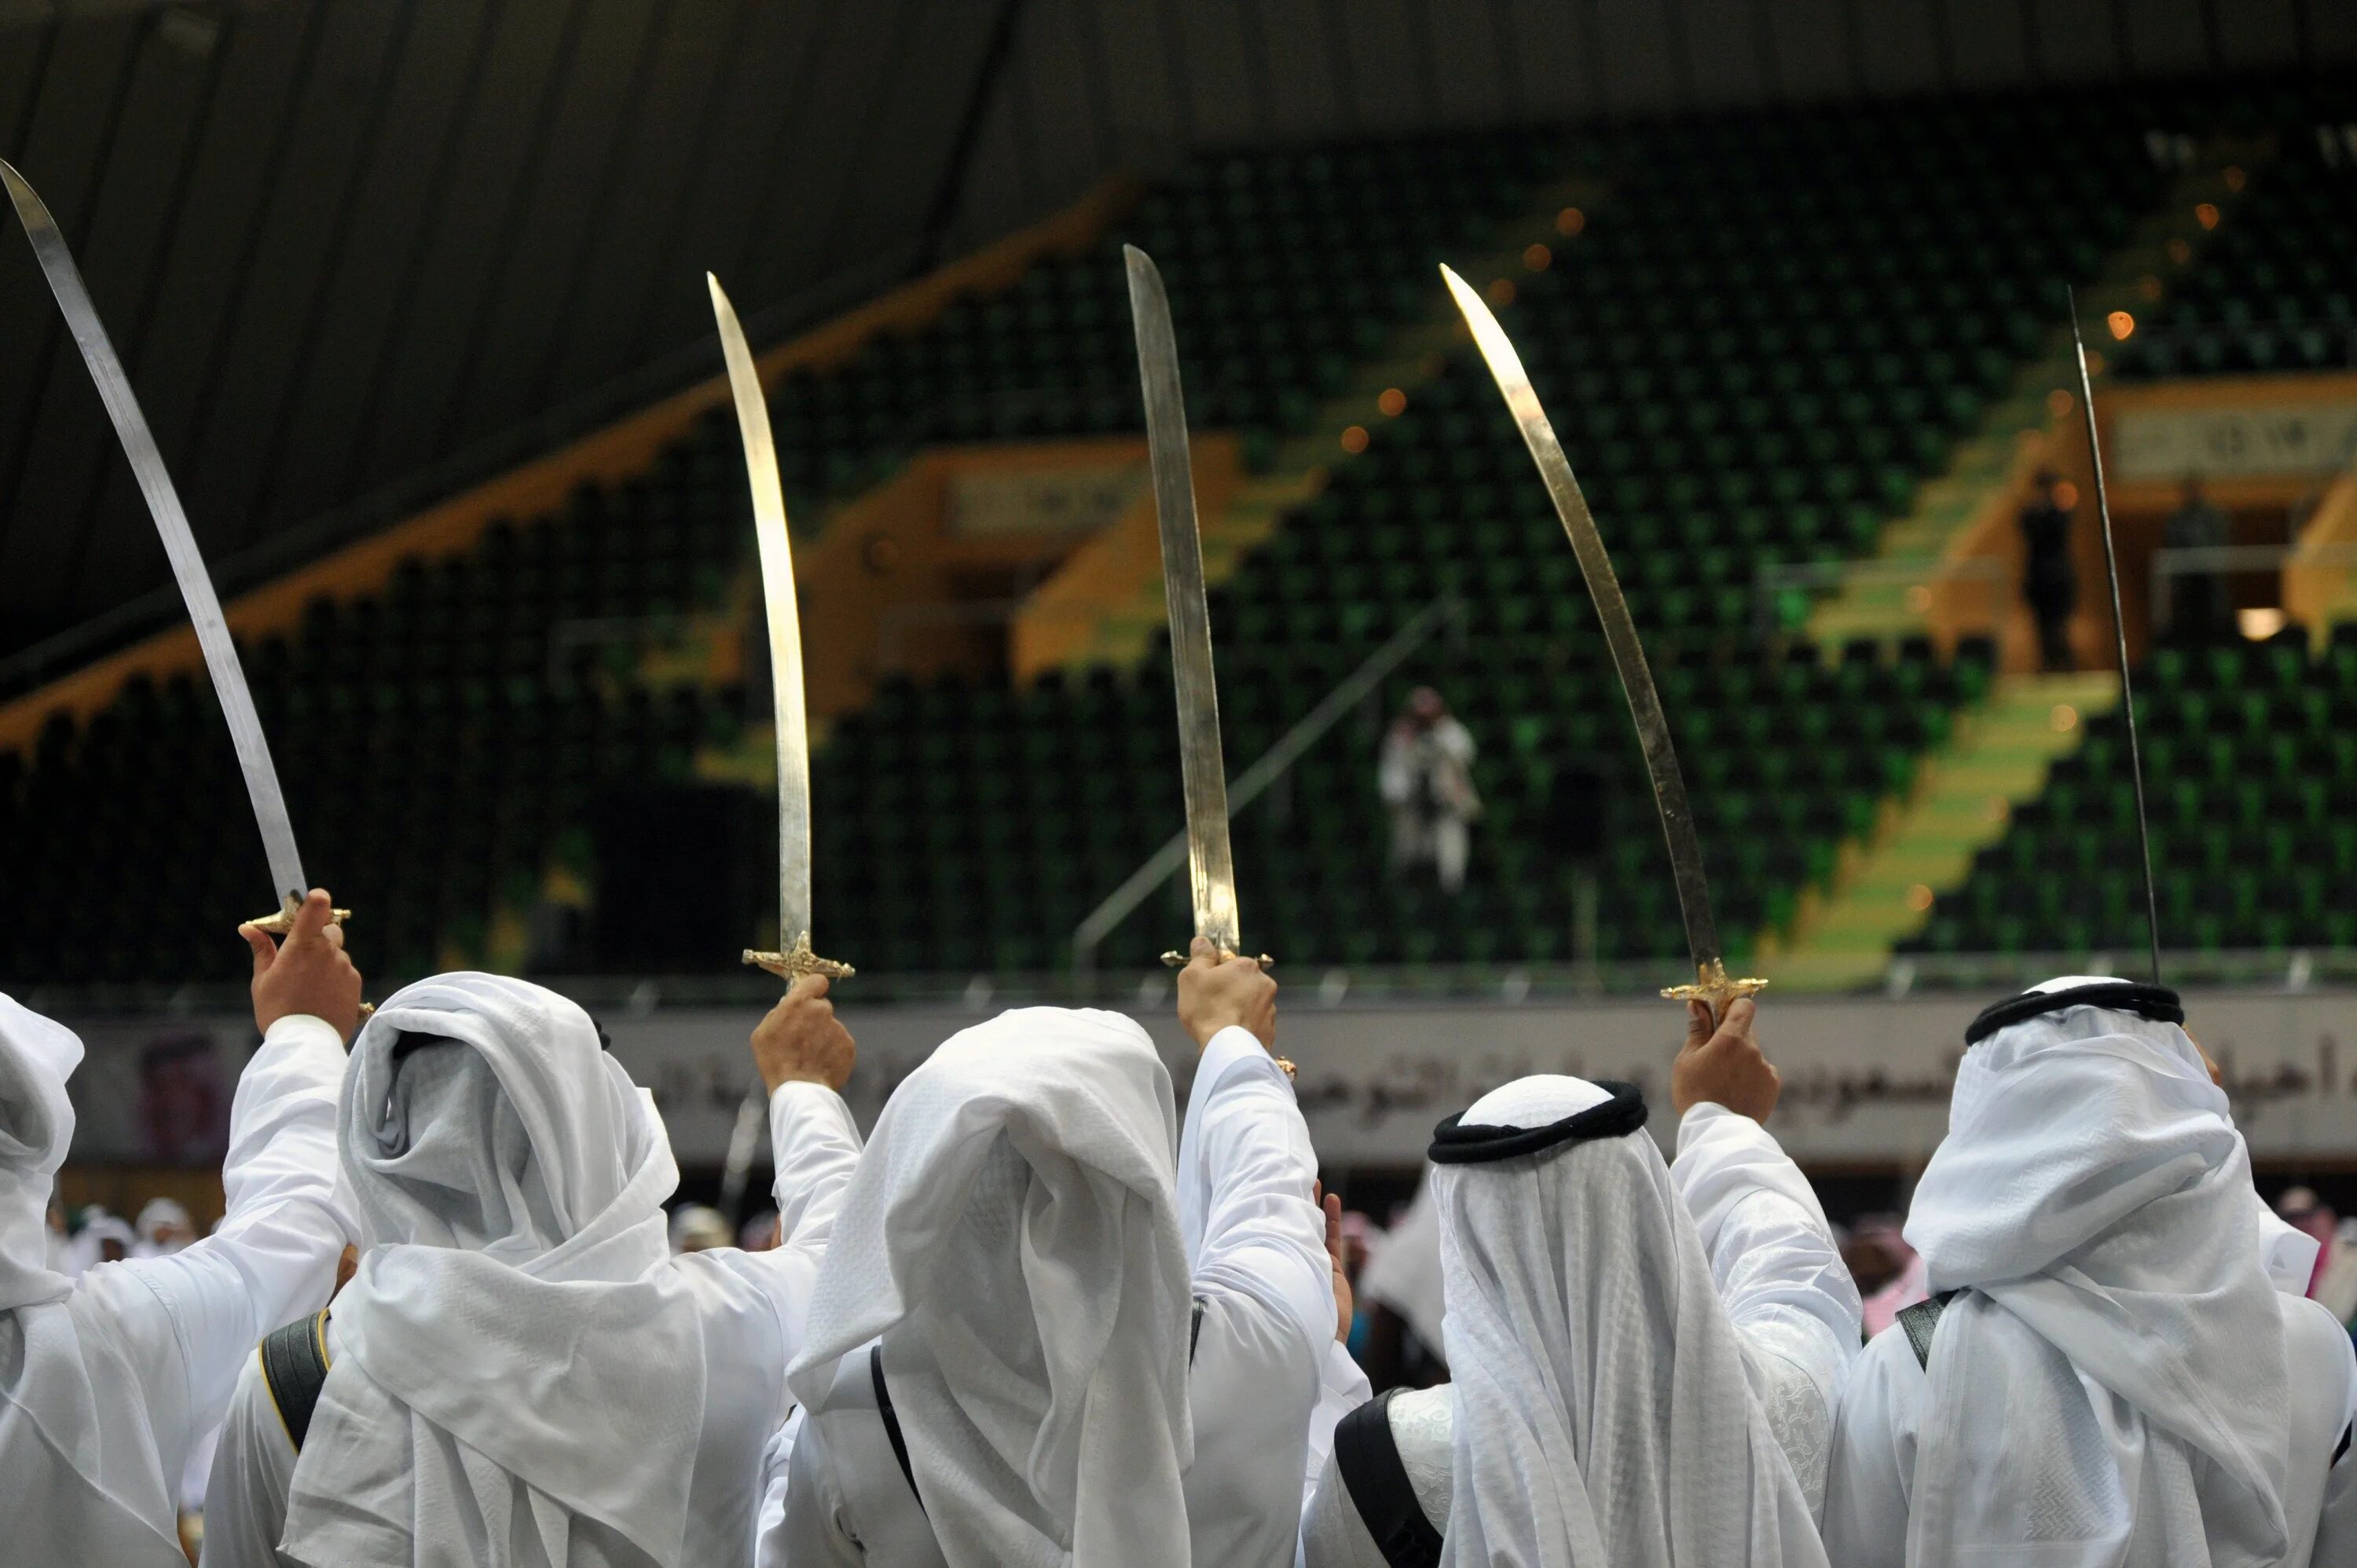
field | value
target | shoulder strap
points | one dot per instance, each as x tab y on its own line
294	1366
1920	1321
1195	1332
1367	1456
892	1425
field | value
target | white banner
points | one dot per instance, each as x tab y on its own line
1866	1081
2163	445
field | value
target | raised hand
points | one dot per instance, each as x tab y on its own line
1214	995
1344	1304
309	972
1724	1064
801	1040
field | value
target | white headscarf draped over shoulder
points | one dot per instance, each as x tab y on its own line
515	1351
2121	1339
1602	1413
37	1124
1012	1235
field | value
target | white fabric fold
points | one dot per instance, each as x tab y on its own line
107	1383
1012	1236
1603	1414
2112	1386
513	1311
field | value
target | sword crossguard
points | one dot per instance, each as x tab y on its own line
1714	985
798	960
1177	960
279	923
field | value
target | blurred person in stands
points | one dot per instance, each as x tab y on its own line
2116	1366
1425	778
60	1255
520	1369
2050	580
1889	1273
164	1227
2197	600
107	1382
1037	1339
699	1228
759	1234
1645	1356
2333	1283
1399	1299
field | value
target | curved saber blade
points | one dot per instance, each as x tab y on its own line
172	524
1712	982
2119	632
1210	862
784	617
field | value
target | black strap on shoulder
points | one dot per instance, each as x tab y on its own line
892	1425
2346	1433
1367	1456
1454	1143
1195	1331
294	1366
1920	1321
2156	1003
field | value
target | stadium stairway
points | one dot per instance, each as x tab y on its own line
1922	845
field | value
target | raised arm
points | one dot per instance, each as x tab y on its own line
193	1318
1771	1253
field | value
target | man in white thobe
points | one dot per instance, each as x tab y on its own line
2107	1373
520	1372
1646	1358
1050	1343
107	1383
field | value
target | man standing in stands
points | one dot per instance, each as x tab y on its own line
2197	600
2050	583
1427	780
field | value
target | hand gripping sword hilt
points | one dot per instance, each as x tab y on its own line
798	960
1712	984
279	923
1177	960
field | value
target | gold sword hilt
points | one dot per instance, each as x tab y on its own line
1177	960
1714	986
281	923
798	960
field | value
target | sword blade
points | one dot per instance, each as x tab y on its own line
785	624
172	524
1620	629
2119	633
1211	862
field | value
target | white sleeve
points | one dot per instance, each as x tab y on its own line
1873	1473
2336	1526
1245	1172
1342	1387
802	1520
274	1258
1778	1269
1265	1290
246	1499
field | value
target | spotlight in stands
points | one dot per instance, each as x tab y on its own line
2065	719
2259	623
1538	258
1393	402
1354	440
2206	214
2121	324
1570	222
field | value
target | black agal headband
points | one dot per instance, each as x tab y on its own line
2155	1003
1454	1143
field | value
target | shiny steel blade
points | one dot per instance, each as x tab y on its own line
785	626
2120	635
1211	864
1620	636
172	524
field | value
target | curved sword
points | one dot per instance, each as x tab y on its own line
1712	983
180	544
785	624
1211	859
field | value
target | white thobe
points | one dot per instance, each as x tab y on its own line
1873	1474
753	1303
1779	1275
161	1338
1264	1288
